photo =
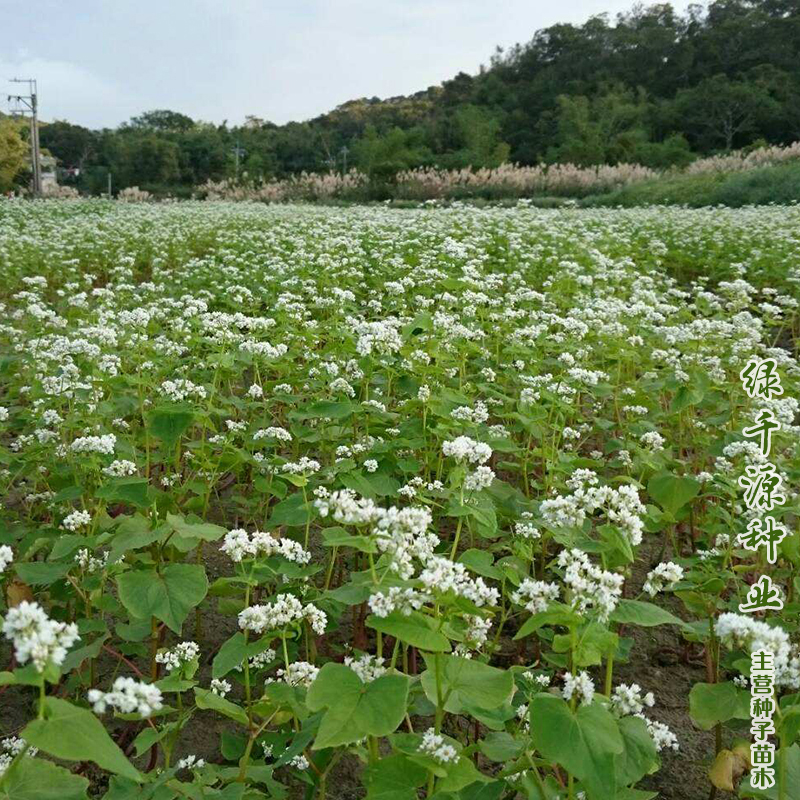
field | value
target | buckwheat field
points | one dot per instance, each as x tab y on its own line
390	504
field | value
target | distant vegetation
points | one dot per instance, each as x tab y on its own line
757	176
652	87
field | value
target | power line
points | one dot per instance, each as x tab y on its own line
23	104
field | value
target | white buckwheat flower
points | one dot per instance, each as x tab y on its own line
628	699
220	687
299	673
664	576
181	654
481	478
441	575
434	745
367	667
95	444
190	762
396	599
10	748
535	596
580	685
121	468
6	557
462	448
36	637
282	611
127	696
76	520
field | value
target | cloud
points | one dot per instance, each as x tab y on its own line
69	91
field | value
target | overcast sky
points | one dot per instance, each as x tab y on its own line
99	62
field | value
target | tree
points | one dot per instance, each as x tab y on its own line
478	134
71	144
162	120
720	111
606	128
141	159
382	156
203	153
13	153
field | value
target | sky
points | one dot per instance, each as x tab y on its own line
100	62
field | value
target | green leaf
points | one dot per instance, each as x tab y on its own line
481	563
67	494
639	758
133	533
233	653
208	701
293	512
325	408
415	629
485	519
557	614
41	573
672	492
466	682
395	777
493	718
124	789
39	779
595	643
493	790
169	424
377	485
168	595
78	655
205	531
339	537
500	746
647	615
710	703
146	738
67	544
686	396
584	743
125	490
75	734
422	322
460	774
355	709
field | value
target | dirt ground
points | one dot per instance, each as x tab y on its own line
660	663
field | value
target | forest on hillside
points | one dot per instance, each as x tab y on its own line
654	86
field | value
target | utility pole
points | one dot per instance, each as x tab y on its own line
28	104
344	151
238	151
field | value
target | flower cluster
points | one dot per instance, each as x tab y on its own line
36	637
180	655
464	449
284	610
621	506
664	576
435	746
591	590
127	696
238	545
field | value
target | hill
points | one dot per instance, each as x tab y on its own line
653	86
